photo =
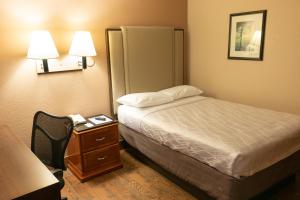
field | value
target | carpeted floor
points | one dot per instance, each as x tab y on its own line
137	181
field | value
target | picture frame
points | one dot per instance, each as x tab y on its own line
247	35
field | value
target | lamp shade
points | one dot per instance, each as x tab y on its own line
256	38
82	44
254	44
41	46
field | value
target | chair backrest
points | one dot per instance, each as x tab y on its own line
50	137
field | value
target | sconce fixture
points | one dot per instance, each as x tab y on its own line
83	46
42	47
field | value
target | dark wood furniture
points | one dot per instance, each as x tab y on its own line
94	151
22	175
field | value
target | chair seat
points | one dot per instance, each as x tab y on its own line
59	174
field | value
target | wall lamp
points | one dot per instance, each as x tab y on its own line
42	48
83	46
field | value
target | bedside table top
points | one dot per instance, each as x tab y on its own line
83	127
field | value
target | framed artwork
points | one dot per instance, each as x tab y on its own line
246	35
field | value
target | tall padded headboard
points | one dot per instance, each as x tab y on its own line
144	59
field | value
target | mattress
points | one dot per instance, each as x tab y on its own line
235	139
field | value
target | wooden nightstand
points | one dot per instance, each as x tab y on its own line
94	151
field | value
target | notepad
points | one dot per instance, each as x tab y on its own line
101	119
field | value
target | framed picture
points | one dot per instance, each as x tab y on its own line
246	35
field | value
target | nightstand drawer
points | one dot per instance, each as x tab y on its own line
101	158
99	138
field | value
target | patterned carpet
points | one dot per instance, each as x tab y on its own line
137	181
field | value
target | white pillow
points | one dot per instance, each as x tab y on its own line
181	91
145	99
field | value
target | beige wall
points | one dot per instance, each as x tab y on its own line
273	83
23	92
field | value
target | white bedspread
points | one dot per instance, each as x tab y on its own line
235	139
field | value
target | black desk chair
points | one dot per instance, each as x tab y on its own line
50	137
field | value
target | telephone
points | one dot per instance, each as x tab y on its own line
77	119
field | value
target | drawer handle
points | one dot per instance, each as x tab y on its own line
100	139
101	158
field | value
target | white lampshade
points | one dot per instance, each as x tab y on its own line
256	38
254	44
82	44
41	46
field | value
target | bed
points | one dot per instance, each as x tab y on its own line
199	139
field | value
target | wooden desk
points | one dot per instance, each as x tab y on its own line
22	175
